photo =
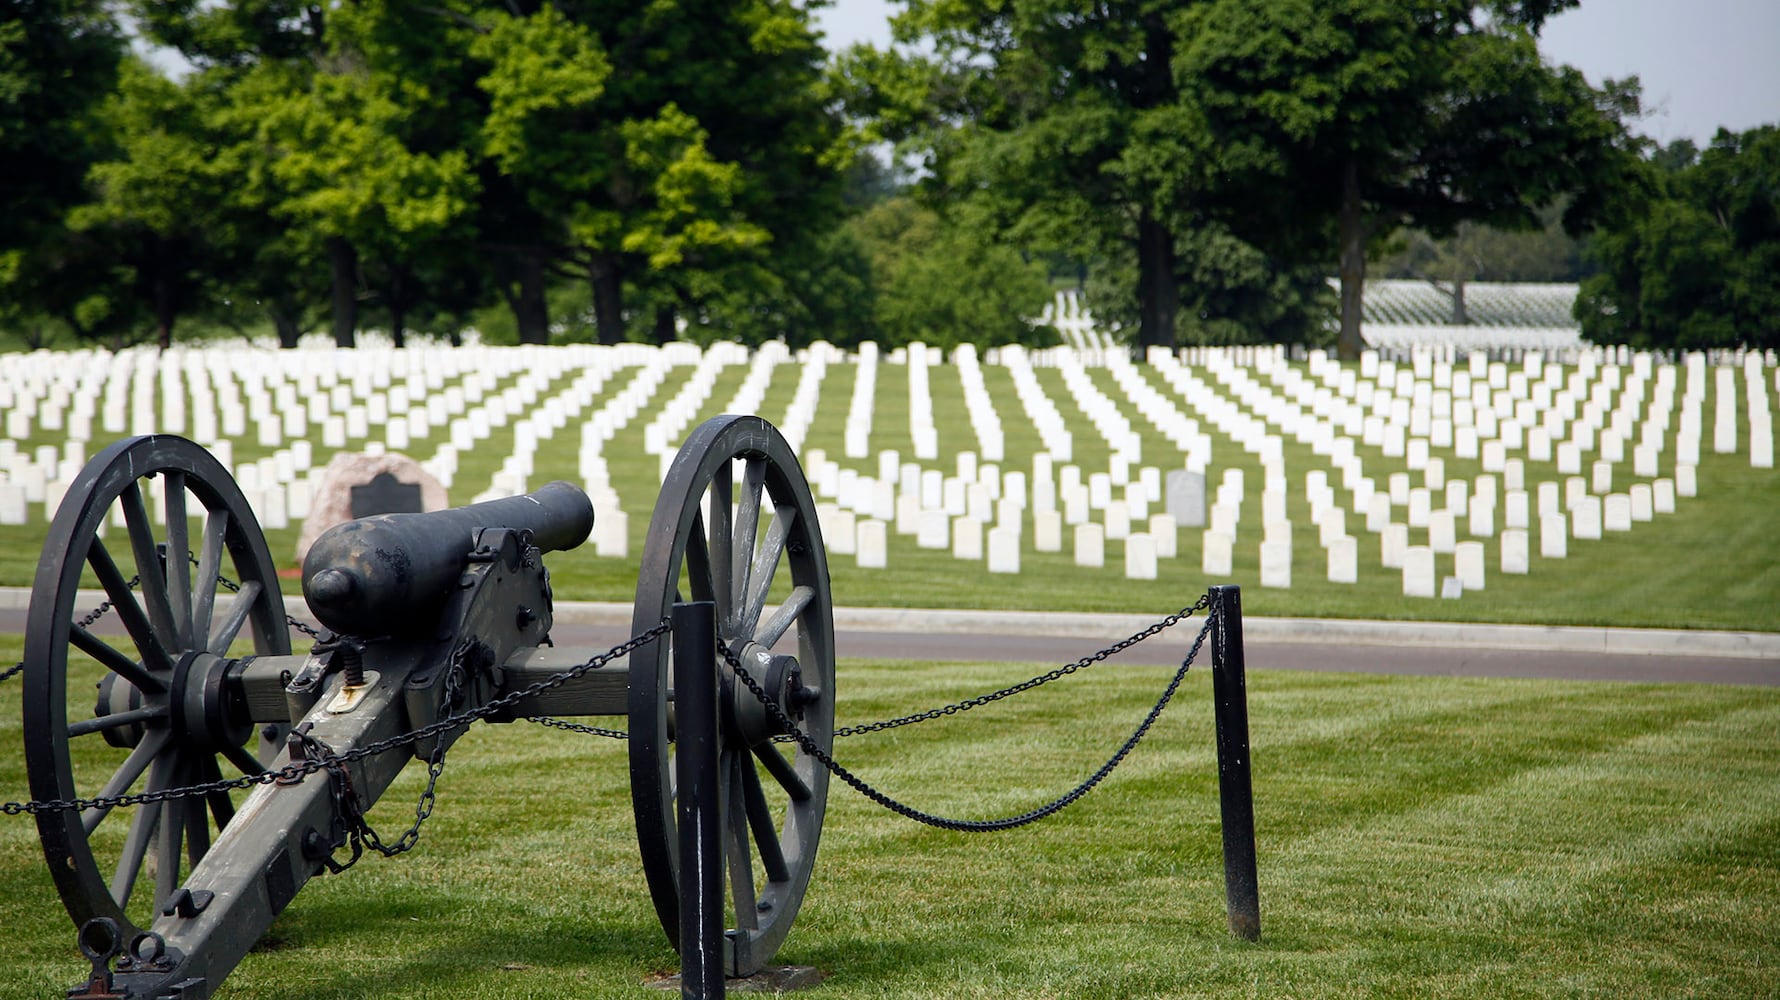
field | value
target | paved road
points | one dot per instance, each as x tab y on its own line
1430	650
1169	649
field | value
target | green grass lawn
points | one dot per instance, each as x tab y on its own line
1418	837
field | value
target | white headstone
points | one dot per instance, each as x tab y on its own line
1140	557
1421	505
1276	564
1047	531
1686	481
1215	559
1553	536
1662	496
1378	512
1468	560
1443	534
1118	521
908	514
967	538
1393	541
1418	571
1514	551
1090	545
934	530
1004	551
840	527
873	544
1166	534
1344	560
1585	518
1616	512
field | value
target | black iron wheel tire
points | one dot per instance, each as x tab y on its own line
159	718
735	508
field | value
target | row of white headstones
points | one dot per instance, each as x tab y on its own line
1481	410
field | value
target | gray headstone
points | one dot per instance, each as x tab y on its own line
1186	498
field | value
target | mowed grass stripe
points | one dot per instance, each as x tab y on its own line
1418	836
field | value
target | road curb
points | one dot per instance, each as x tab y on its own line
1256	629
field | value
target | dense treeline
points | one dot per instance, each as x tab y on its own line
598	169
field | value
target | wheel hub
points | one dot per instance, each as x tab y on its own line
206	716
746	717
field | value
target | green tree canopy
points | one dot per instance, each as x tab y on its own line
1693	260
1330	124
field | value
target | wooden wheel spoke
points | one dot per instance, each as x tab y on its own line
766	566
197	813
783	773
722	552
179	567
741	857
129	862
123	601
242	758
149	570
86	727
230	626
776	626
172	832
747	524
146	753
216	528
698	562
760	821
114	660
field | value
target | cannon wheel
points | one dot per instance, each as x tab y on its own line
160	718
715	539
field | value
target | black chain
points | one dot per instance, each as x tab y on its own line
99	612
1026	685
235	588
296	771
809	745
576	727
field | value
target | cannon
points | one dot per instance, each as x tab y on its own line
192	773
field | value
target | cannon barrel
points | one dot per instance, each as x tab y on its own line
390	574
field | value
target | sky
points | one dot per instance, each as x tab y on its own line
1703	63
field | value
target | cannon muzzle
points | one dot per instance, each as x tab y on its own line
390	574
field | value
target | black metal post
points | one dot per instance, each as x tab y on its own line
699	806
1229	689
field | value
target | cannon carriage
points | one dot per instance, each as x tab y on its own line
192	773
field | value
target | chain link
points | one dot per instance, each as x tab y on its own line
576	727
809	745
99	612
297	771
1026	685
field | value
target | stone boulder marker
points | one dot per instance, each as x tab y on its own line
358	485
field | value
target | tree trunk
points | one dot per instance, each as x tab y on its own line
343	261
531	311
667	327
1352	266
398	306
1158	291
166	309
608	297
286	324
1459	316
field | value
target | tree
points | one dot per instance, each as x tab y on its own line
1692	260
1232	293
1059	124
664	143
1335	122
1476	252
940	282
58	61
